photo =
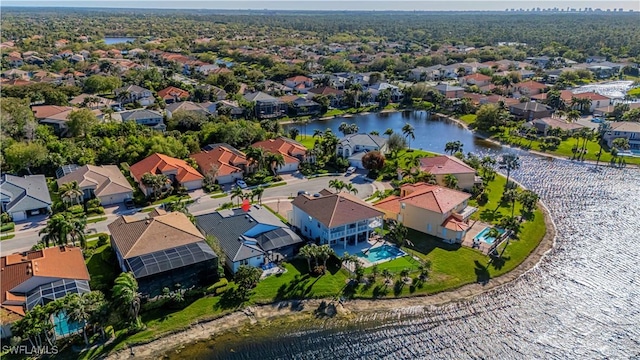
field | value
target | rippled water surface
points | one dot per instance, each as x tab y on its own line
581	302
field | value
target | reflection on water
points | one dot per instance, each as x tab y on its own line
581	302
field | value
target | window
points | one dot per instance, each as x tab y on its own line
244	262
318	225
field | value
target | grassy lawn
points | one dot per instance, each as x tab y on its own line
103	270
218	196
492	211
296	283
95	220
468	119
281	183
169	199
7	237
396	265
308	141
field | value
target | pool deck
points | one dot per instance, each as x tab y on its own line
373	242
476	228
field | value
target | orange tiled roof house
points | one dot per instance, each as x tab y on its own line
178	171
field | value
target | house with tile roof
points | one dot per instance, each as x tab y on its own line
145	117
431	209
92	101
178	171
228	163
266	106
624	129
173	94
334	95
296	81
131	93
204	109
476	79
104	182
39	277
254	237
444	165
530	110
354	146
292	151
22	197
544	125
337	219
450	91
597	100
529	88
163	250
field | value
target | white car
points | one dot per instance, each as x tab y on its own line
241	184
350	170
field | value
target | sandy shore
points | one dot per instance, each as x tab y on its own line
293	312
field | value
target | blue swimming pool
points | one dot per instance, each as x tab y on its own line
384	252
64	327
484	235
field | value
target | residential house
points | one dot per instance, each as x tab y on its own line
607	110
232	107
255	237
104	182
624	129
22	197
143	117
162	251
292	151
544	125
334	95
338	219
299	83
92	101
529	88
266	106
173	94
597	100
178	171
354	146
444	165
299	106
42	112
15	74
131	93
450	91
394	91
226	162
204	109
530	110
476	79
431	209
39	277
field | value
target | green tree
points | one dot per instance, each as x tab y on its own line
257	192
337	185
528	199
247	278
450	181
57	229
409	132
237	192
24	155
509	162
487	116
70	193
156	182
275	161
127	298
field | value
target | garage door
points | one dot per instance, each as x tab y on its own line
19	216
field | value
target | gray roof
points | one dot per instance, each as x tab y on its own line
243	235
132	89
260	97
139	114
25	193
531	106
188	106
447	87
363	140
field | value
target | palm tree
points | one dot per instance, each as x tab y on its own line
126	296
70	192
573	115
75	306
387	276
293	133
257	192
237	193
603	127
487	163
451	181
388	132
408	131
155	181
256	154
509	162
275	161
77	227
413	163
336	184
324	252
351	189
57	229
317	133
307	252
528	199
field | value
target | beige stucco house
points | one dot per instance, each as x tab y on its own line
440	166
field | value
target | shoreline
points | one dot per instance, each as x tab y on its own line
205	330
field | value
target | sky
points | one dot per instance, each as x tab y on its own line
406	5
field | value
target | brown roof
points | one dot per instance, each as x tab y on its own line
336	209
173	92
227	160
444	164
160	163
45	111
531	85
626	126
105	179
55	262
285	146
558	123
477	76
454	224
159	232
325	90
431	197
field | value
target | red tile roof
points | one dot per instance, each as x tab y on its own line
55	262
171	93
477	77
45	111
287	147
225	159
455	225
431	197
531	85
444	164
160	163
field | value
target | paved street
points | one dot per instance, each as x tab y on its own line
27	233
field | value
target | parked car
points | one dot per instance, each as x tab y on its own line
302	192
350	170
129	204
241	184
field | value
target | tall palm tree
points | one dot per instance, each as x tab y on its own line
77	310
388	132
70	192
155	182
336	184
351	189
77	227
256	154
324	252
274	161
317	133
237	193
307	253
257	192
603	127
408	131
57	229
126	296
509	162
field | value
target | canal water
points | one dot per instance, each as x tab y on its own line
582	301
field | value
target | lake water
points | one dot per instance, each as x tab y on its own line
118	40
431	133
582	301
